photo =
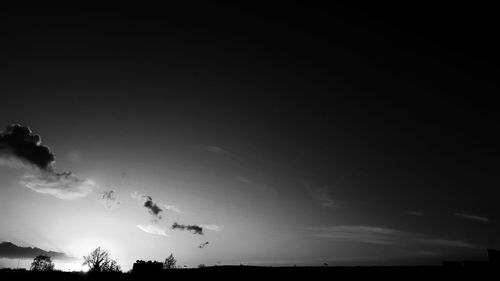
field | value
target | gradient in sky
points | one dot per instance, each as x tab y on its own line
292	135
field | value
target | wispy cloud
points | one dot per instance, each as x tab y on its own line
216	150
108	199
172	208
203	245
415	213
385	236
211	227
472	217
196	229
262	188
153	229
322	195
63	186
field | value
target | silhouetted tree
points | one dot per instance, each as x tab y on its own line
99	261
170	262
42	263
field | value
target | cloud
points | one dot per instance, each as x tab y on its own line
385	236
203	245
213	149
12	251
153	229
171	208
472	217
322	196
136	195
152	207
64	186
20	148
19	142
108	198
217	150
212	227
415	213
196	229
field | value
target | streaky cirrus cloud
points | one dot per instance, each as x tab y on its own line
196	229
217	150
472	217
64	186
109	199
153	229
386	236
20	148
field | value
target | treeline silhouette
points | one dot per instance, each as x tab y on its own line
102	267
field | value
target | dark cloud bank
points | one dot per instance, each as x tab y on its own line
19	142
12	251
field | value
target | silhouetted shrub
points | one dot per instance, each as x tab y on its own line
42	263
170	262
99	261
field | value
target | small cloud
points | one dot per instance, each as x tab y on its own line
216	150
211	227
196	229
243	180
171	208
64	186
472	217
153	229
108	198
136	195
153	209
255	185
322	196
415	213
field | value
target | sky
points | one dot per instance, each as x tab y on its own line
289	134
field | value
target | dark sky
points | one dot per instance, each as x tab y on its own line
391	108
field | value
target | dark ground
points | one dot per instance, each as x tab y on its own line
481	272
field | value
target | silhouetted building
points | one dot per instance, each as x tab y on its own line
149	266
494	256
